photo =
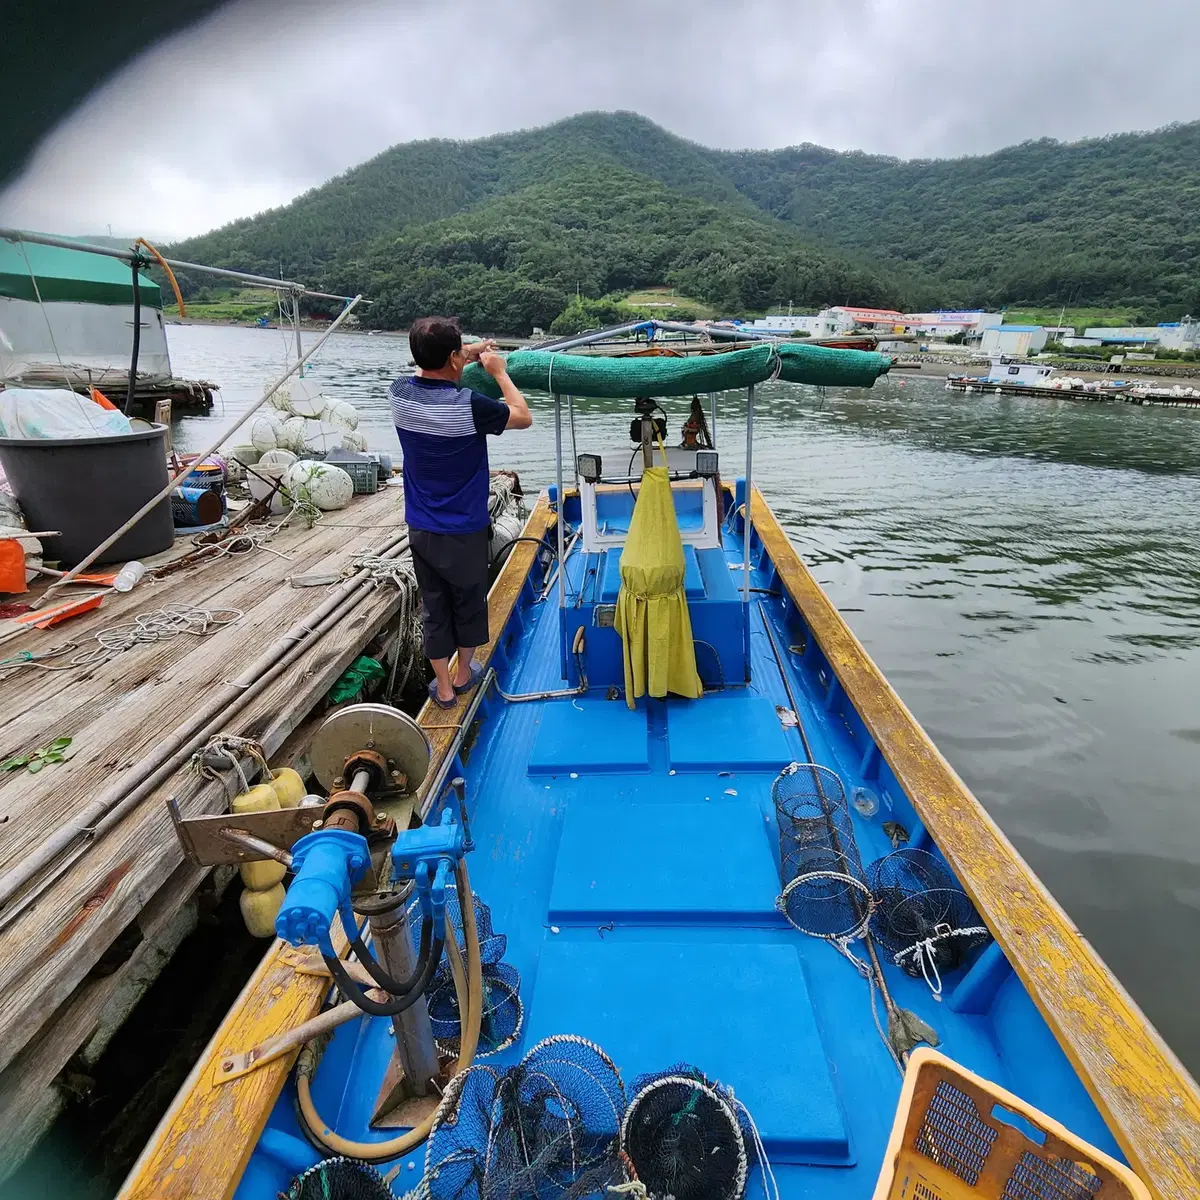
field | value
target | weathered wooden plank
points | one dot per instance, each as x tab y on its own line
48	950
207	1136
119	716
1144	1092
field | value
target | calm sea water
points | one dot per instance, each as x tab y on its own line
1026	573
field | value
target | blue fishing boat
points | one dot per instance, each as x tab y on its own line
676	903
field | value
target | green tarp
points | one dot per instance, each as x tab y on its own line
594	375
69	275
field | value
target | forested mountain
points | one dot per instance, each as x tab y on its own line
505	229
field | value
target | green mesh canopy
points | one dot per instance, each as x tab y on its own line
595	375
824	366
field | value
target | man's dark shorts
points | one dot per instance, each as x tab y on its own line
452	570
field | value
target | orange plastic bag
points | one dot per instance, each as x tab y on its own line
101	399
12	566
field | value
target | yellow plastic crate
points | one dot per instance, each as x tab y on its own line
959	1137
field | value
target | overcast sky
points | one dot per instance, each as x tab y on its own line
268	98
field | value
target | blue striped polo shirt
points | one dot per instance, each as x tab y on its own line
443	432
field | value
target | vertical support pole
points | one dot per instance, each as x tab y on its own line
749	494
712	421
296	326
562	504
415	1048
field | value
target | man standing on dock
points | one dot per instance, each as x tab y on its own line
443	429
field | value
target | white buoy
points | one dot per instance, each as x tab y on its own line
305	399
326	486
322	437
341	414
279	401
264	434
291	436
354	439
278	458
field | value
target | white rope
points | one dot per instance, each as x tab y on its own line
772	1192
868	973
925	952
383	570
633	1187
158	626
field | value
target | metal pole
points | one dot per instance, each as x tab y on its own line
749	492
562	502
589	339
296	327
45	239
413	1032
712	425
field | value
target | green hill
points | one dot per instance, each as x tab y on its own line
504	230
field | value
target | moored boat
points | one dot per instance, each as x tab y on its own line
682	882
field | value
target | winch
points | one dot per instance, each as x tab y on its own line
362	853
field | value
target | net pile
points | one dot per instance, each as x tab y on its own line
682	1138
502	1015
920	914
548	1128
339	1179
825	893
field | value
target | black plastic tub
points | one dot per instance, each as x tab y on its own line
89	487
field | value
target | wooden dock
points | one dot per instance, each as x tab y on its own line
121	899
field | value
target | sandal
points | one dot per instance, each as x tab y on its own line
433	695
476	675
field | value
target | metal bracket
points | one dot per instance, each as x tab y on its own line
604	616
214	841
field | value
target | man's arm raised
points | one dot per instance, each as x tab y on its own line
519	416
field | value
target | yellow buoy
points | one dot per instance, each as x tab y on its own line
259	910
262	876
260	798
288	787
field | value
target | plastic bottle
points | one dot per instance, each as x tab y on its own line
128	575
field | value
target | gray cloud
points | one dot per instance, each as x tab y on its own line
267	98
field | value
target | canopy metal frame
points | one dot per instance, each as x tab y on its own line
650	327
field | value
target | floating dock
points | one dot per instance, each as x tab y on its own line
1129	395
79	935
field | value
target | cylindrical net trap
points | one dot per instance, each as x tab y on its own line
338	1179
920	914
681	1138
825	893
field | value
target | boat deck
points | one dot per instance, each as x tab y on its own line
123	891
629	856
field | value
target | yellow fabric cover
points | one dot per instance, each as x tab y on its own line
652	613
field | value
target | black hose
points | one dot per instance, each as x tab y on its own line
374	968
137	337
523	538
353	992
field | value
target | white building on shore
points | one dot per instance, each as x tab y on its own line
1018	340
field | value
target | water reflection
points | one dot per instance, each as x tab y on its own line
1026	572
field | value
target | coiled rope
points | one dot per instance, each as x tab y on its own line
158	626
